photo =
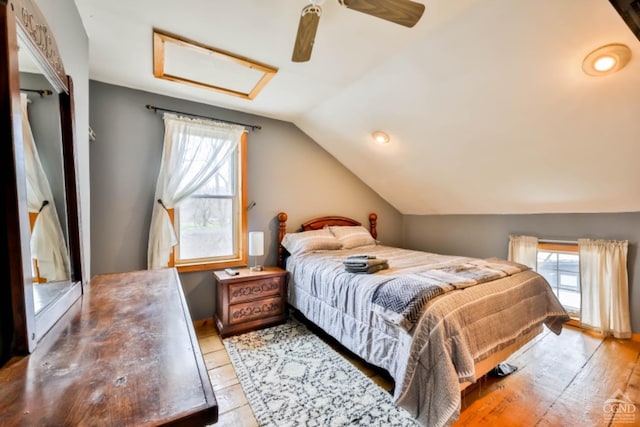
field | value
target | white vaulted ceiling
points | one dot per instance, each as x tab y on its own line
485	101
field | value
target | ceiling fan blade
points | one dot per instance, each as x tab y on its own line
309	19
403	12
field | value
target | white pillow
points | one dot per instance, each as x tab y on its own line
353	236
308	241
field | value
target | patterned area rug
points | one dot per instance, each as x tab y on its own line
293	378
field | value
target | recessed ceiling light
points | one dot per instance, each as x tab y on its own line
606	59
604	63
380	137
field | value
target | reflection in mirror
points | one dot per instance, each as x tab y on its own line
45	185
24	30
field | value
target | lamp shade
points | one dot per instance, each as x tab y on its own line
256	243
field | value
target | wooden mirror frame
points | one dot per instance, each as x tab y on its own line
22	20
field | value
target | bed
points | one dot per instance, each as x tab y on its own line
434	349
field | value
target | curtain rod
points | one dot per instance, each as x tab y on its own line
40	92
154	108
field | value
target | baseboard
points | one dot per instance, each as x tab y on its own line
635	337
203	322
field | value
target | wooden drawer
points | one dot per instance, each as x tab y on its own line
260	309
251	290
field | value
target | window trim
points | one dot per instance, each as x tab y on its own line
239	261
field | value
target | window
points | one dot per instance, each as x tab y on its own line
211	223
560	265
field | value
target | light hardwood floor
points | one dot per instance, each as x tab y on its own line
561	380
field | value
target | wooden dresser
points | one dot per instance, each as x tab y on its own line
250	300
125	354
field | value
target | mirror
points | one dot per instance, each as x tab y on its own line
41	273
44	170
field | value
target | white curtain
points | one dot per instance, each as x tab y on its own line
605	286
48	245
194	150
524	249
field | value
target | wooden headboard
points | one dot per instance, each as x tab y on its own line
318	223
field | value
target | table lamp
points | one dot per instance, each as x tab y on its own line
256	248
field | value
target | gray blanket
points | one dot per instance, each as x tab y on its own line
401	300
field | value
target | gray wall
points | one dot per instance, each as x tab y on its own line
488	235
287	171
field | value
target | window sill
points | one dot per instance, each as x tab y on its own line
575	323
187	268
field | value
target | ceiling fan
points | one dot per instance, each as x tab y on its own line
403	12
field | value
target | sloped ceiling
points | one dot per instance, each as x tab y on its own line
485	101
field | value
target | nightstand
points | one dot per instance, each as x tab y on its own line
250	300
